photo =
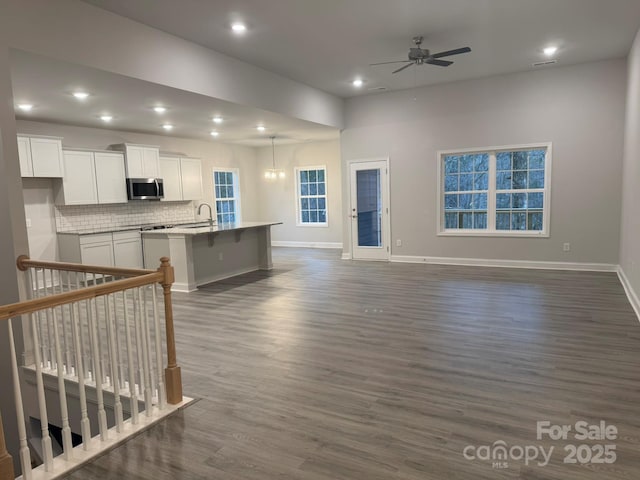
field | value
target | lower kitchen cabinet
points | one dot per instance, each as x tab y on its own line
127	249
117	249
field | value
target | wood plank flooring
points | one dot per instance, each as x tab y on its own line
326	369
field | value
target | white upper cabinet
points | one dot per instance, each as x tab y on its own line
110	177
40	156
182	178
191	170
79	184
170	174
141	161
151	162
24	154
92	178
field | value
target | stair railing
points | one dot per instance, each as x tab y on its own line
96	330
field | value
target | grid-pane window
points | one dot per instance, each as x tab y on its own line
466	185
312	196
495	192
520	190
227	196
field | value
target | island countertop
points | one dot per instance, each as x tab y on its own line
201	228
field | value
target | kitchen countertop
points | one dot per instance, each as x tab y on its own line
93	230
198	229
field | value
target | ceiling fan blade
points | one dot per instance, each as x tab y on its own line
402	68
449	53
387	63
440	63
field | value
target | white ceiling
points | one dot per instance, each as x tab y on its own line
48	84
326	43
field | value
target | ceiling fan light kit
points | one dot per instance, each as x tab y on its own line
422	56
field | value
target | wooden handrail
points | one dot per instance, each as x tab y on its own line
25	262
31	306
6	462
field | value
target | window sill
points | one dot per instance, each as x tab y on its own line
314	225
503	234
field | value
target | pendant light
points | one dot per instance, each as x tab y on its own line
273	173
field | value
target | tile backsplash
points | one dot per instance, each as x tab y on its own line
103	217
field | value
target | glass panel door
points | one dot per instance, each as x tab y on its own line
369	210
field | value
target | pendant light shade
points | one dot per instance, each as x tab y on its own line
273	173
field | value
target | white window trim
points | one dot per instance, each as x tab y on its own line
238	194
491	201
296	172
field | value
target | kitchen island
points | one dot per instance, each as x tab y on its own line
204	254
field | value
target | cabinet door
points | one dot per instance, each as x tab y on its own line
170	174
110	177
79	184
127	250
134	162
191	171
46	156
24	154
151	162
99	253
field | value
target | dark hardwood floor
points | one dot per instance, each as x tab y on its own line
326	369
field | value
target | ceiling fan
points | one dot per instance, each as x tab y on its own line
420	56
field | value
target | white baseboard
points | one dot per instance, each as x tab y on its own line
481	262
346	256
282	243
631	293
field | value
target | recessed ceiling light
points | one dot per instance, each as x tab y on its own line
167	126
357	82
159	109
106	118
218	119
81	95
25	107
261	128
238	27
214	133
549	51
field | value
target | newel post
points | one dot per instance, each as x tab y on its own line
6	462
172	373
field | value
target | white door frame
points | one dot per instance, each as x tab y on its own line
386	207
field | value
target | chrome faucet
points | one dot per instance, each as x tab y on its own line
210	212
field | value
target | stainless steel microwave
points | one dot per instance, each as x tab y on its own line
145	188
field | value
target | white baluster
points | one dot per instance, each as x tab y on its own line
162	394
85	426
132	373
148	351
25	457
63	317
114	364
47	451
148	397
97	371
67	445
39	314
52	353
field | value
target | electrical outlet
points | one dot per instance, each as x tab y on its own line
566	247
220	256
28	223
398	243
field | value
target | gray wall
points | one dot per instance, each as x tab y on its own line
278	198
13	242
579	109
630	232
